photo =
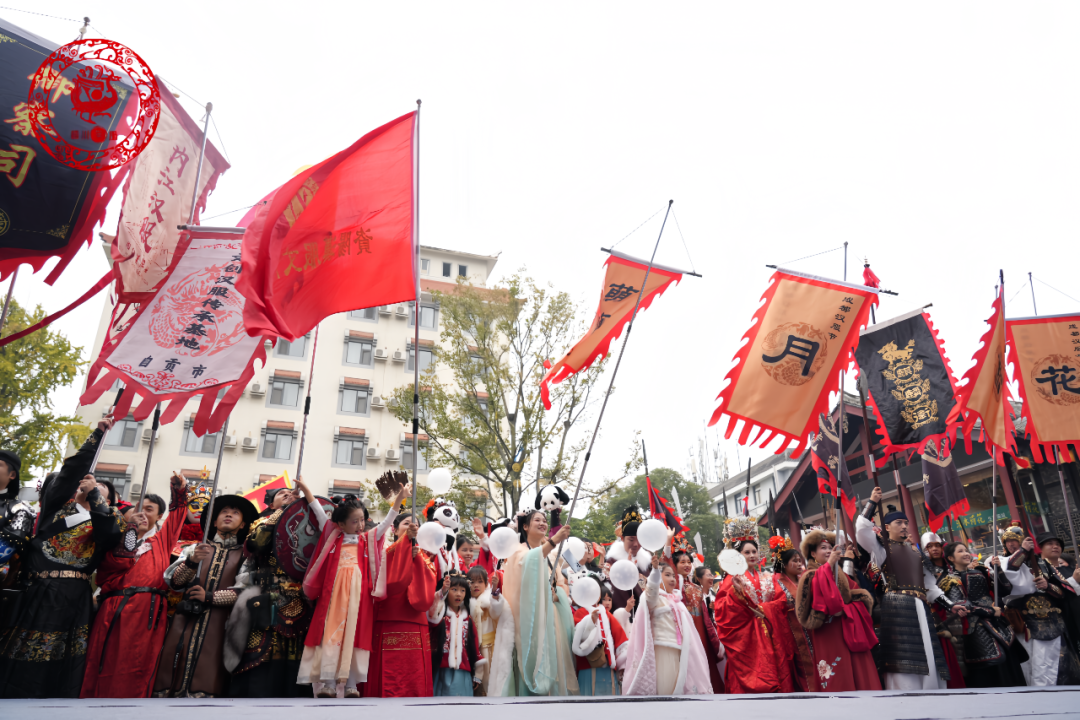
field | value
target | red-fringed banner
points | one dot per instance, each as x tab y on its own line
984	394
911	387
188	341
800	338
943	492
1046	364
618	295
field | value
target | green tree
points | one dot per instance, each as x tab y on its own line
487	423
694	499
30	370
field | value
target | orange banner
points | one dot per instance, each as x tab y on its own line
619	294
1046	364
800	338
984	392
256	495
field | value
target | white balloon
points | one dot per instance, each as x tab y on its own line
585	592
732	562
624	575
431	536
576	546
502	542
438	480
652	534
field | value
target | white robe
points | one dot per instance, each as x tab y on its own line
868	540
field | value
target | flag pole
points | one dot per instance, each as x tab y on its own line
749	468
7	303
993	526
416	309
1057	456
307	403
611	383
97	452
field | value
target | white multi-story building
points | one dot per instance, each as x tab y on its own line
770	474
352	437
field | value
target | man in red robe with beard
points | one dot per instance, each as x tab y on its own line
400	664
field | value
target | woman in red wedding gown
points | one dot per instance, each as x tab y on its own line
838	618
788	567
683	562
749	610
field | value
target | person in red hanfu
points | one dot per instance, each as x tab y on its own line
348	572
401	646
456	660
131	620
749	610
600	646
836	611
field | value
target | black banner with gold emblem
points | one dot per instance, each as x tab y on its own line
942	489
47	209
911	388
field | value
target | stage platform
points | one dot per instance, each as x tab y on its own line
1042	703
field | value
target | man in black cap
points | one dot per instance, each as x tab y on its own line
191	663
263	649
911	655
1052	617
16	519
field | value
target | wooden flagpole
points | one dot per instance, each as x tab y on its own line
611	385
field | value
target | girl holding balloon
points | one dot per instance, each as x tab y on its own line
599	640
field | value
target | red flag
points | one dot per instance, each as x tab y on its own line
985	393
869	278
157	198
618	295
336	237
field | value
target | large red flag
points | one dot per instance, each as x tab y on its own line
618	296
336	237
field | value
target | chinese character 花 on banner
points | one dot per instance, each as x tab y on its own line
189	340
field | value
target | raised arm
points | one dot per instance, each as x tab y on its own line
66	482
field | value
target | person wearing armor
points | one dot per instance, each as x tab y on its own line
265	634
16	522
991	657
1043	598
911	656
952	641
43	650
131	619
191	662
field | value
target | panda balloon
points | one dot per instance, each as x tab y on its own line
551	500
444	512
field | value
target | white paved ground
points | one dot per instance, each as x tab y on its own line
1042	703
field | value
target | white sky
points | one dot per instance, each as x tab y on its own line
939	139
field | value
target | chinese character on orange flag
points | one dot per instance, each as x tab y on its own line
984	393
1046	363
801	338
359	204
619	293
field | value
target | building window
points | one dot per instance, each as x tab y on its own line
463	270
355	401
360	352
425	266
195	445
119	481
277	445
406	457
284	392
427	357
757	495
367	315
124	434
295	349
429	316
349	451
446	270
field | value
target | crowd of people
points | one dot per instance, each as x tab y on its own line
188	598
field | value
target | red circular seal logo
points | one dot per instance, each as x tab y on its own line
94	104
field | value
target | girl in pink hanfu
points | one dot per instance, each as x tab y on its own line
345	577
665	655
